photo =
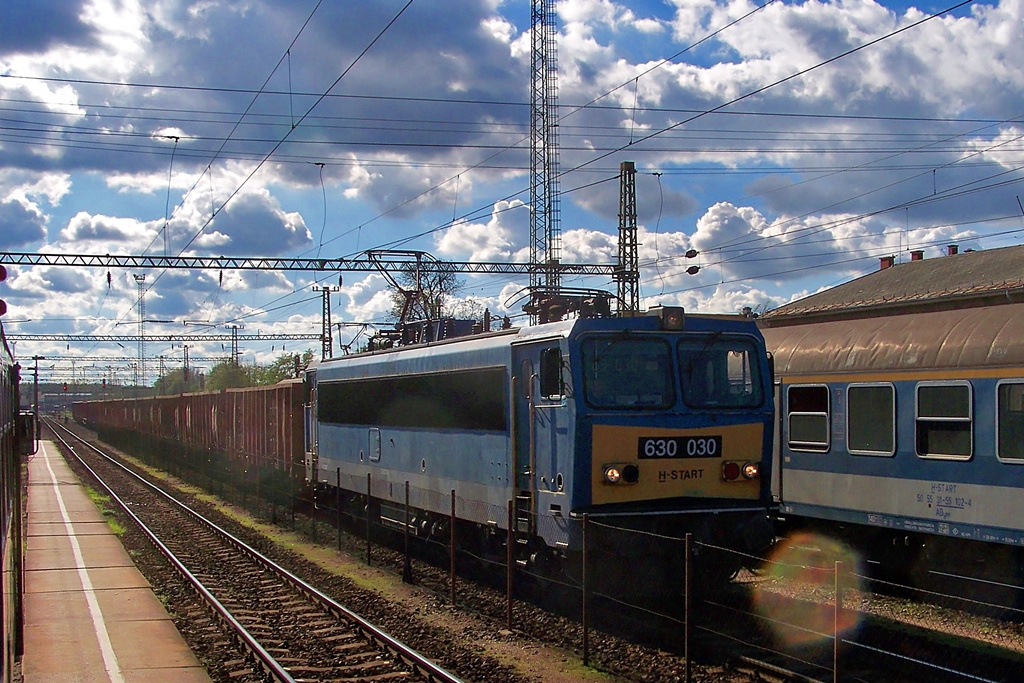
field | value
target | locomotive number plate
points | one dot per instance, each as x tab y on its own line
659	447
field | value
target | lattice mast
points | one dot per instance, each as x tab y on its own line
141	281
545	233
627	271
326	340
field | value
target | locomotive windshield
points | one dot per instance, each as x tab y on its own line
720	372
621	372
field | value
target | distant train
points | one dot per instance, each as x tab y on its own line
660	422
17	439
904	435
259	427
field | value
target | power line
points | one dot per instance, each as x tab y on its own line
167	338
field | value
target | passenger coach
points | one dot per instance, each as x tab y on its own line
905	433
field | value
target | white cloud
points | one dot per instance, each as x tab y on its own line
107	234
777	202
495	240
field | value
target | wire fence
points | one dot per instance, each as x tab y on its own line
808	606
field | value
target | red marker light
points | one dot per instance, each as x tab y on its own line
730	471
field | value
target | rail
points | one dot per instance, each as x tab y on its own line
419	663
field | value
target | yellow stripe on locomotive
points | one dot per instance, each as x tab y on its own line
642	464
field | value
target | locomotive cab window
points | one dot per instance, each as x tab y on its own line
871	419
719	372
1010	421
627	373
807	418
944	420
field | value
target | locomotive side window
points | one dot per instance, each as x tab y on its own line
944	420
1010	421
871	419
808	418
470	400
551	386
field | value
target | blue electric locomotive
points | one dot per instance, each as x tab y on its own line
660	422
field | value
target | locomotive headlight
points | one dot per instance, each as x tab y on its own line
751	470
621	474
671	317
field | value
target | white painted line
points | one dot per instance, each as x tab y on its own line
109	658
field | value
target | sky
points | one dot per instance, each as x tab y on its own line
792	144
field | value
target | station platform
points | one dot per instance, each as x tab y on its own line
90	615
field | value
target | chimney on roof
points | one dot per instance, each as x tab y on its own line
917	255
886	262
952	249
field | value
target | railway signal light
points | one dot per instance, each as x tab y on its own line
65	386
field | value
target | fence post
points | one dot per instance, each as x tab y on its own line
509	562
369	500
312	514
337	503
837	621
586	593
407	565
688	607
451	547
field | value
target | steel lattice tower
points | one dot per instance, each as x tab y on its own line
141	280
326	341
627	272
545	233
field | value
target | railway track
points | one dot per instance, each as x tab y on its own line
737	645
280	627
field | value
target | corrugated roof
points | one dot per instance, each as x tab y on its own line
945	282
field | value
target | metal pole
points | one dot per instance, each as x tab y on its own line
688	608
509	562
584	615
369	490
312	513
836	621
35	398
407	566
451	547
338	503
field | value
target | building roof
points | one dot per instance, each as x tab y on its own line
964	280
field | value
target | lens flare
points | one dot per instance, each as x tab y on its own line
797	597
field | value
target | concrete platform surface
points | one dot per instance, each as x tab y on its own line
90	615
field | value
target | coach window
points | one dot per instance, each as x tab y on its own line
808	418
1010	421
871	419
944	420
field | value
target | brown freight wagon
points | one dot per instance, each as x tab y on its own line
260	426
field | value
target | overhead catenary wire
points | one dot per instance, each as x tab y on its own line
453	221
309	110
